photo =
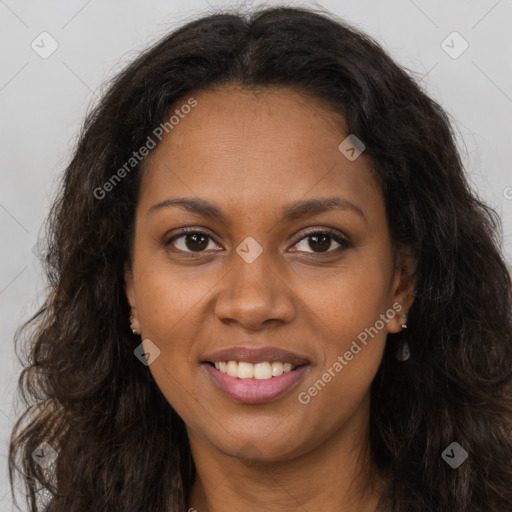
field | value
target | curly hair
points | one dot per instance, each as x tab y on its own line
120	444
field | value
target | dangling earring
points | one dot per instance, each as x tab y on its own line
403	353
131	325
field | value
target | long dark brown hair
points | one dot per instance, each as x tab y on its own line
120	446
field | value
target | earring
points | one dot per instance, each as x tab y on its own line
403	353
131	325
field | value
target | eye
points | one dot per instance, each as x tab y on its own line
320	241
191	241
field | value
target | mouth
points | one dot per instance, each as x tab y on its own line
255	383
263	370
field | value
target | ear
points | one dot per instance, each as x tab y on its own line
403	287
129	288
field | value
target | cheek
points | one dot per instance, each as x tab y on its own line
352	310
350	300
168	307
167	301
351	354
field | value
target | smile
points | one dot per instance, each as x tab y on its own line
255	383
245	370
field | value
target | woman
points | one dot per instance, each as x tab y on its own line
272	288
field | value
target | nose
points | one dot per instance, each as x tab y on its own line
255	295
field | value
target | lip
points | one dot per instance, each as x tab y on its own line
255	355
255	391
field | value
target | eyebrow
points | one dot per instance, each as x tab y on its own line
293	211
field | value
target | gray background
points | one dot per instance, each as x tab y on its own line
43	102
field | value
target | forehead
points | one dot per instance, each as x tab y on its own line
257	148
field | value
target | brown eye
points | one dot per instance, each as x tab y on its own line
191	241
321	242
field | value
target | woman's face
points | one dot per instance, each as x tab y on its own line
253	278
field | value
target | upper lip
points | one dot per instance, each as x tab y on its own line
255	355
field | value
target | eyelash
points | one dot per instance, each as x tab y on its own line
344	243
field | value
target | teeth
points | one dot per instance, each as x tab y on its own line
260	371
263	370
245	370
277	369
232	368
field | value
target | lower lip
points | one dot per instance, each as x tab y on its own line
256	391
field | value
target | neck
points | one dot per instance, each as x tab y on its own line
335	476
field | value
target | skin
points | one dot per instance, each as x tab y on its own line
253	153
